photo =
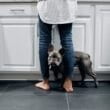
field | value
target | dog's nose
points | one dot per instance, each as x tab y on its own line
54	59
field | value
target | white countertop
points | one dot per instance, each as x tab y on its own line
36	0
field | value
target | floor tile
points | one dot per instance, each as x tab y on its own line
32	102
29	88
88	102
103	88
25	96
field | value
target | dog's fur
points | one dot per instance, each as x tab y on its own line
82	61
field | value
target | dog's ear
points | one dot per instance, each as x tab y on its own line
50	48
61	51
88	56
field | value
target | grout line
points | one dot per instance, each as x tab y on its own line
91	94
67	100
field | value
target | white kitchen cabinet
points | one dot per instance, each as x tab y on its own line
91	34
83	29
18	38
102	38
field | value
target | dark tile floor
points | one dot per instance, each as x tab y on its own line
24	96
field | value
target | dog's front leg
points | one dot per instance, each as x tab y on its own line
55	72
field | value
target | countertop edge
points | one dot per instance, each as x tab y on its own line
35	1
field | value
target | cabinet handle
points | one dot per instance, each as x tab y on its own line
17	10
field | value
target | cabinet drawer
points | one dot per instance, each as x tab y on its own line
84	10
18	10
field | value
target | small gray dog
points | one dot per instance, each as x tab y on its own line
82	61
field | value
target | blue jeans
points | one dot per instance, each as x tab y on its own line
65	31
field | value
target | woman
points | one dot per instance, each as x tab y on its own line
62	13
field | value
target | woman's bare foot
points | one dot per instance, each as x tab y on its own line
43	85
68	85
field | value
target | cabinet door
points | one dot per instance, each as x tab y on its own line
18	44
102	38
82	30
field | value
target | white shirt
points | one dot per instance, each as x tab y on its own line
57	11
